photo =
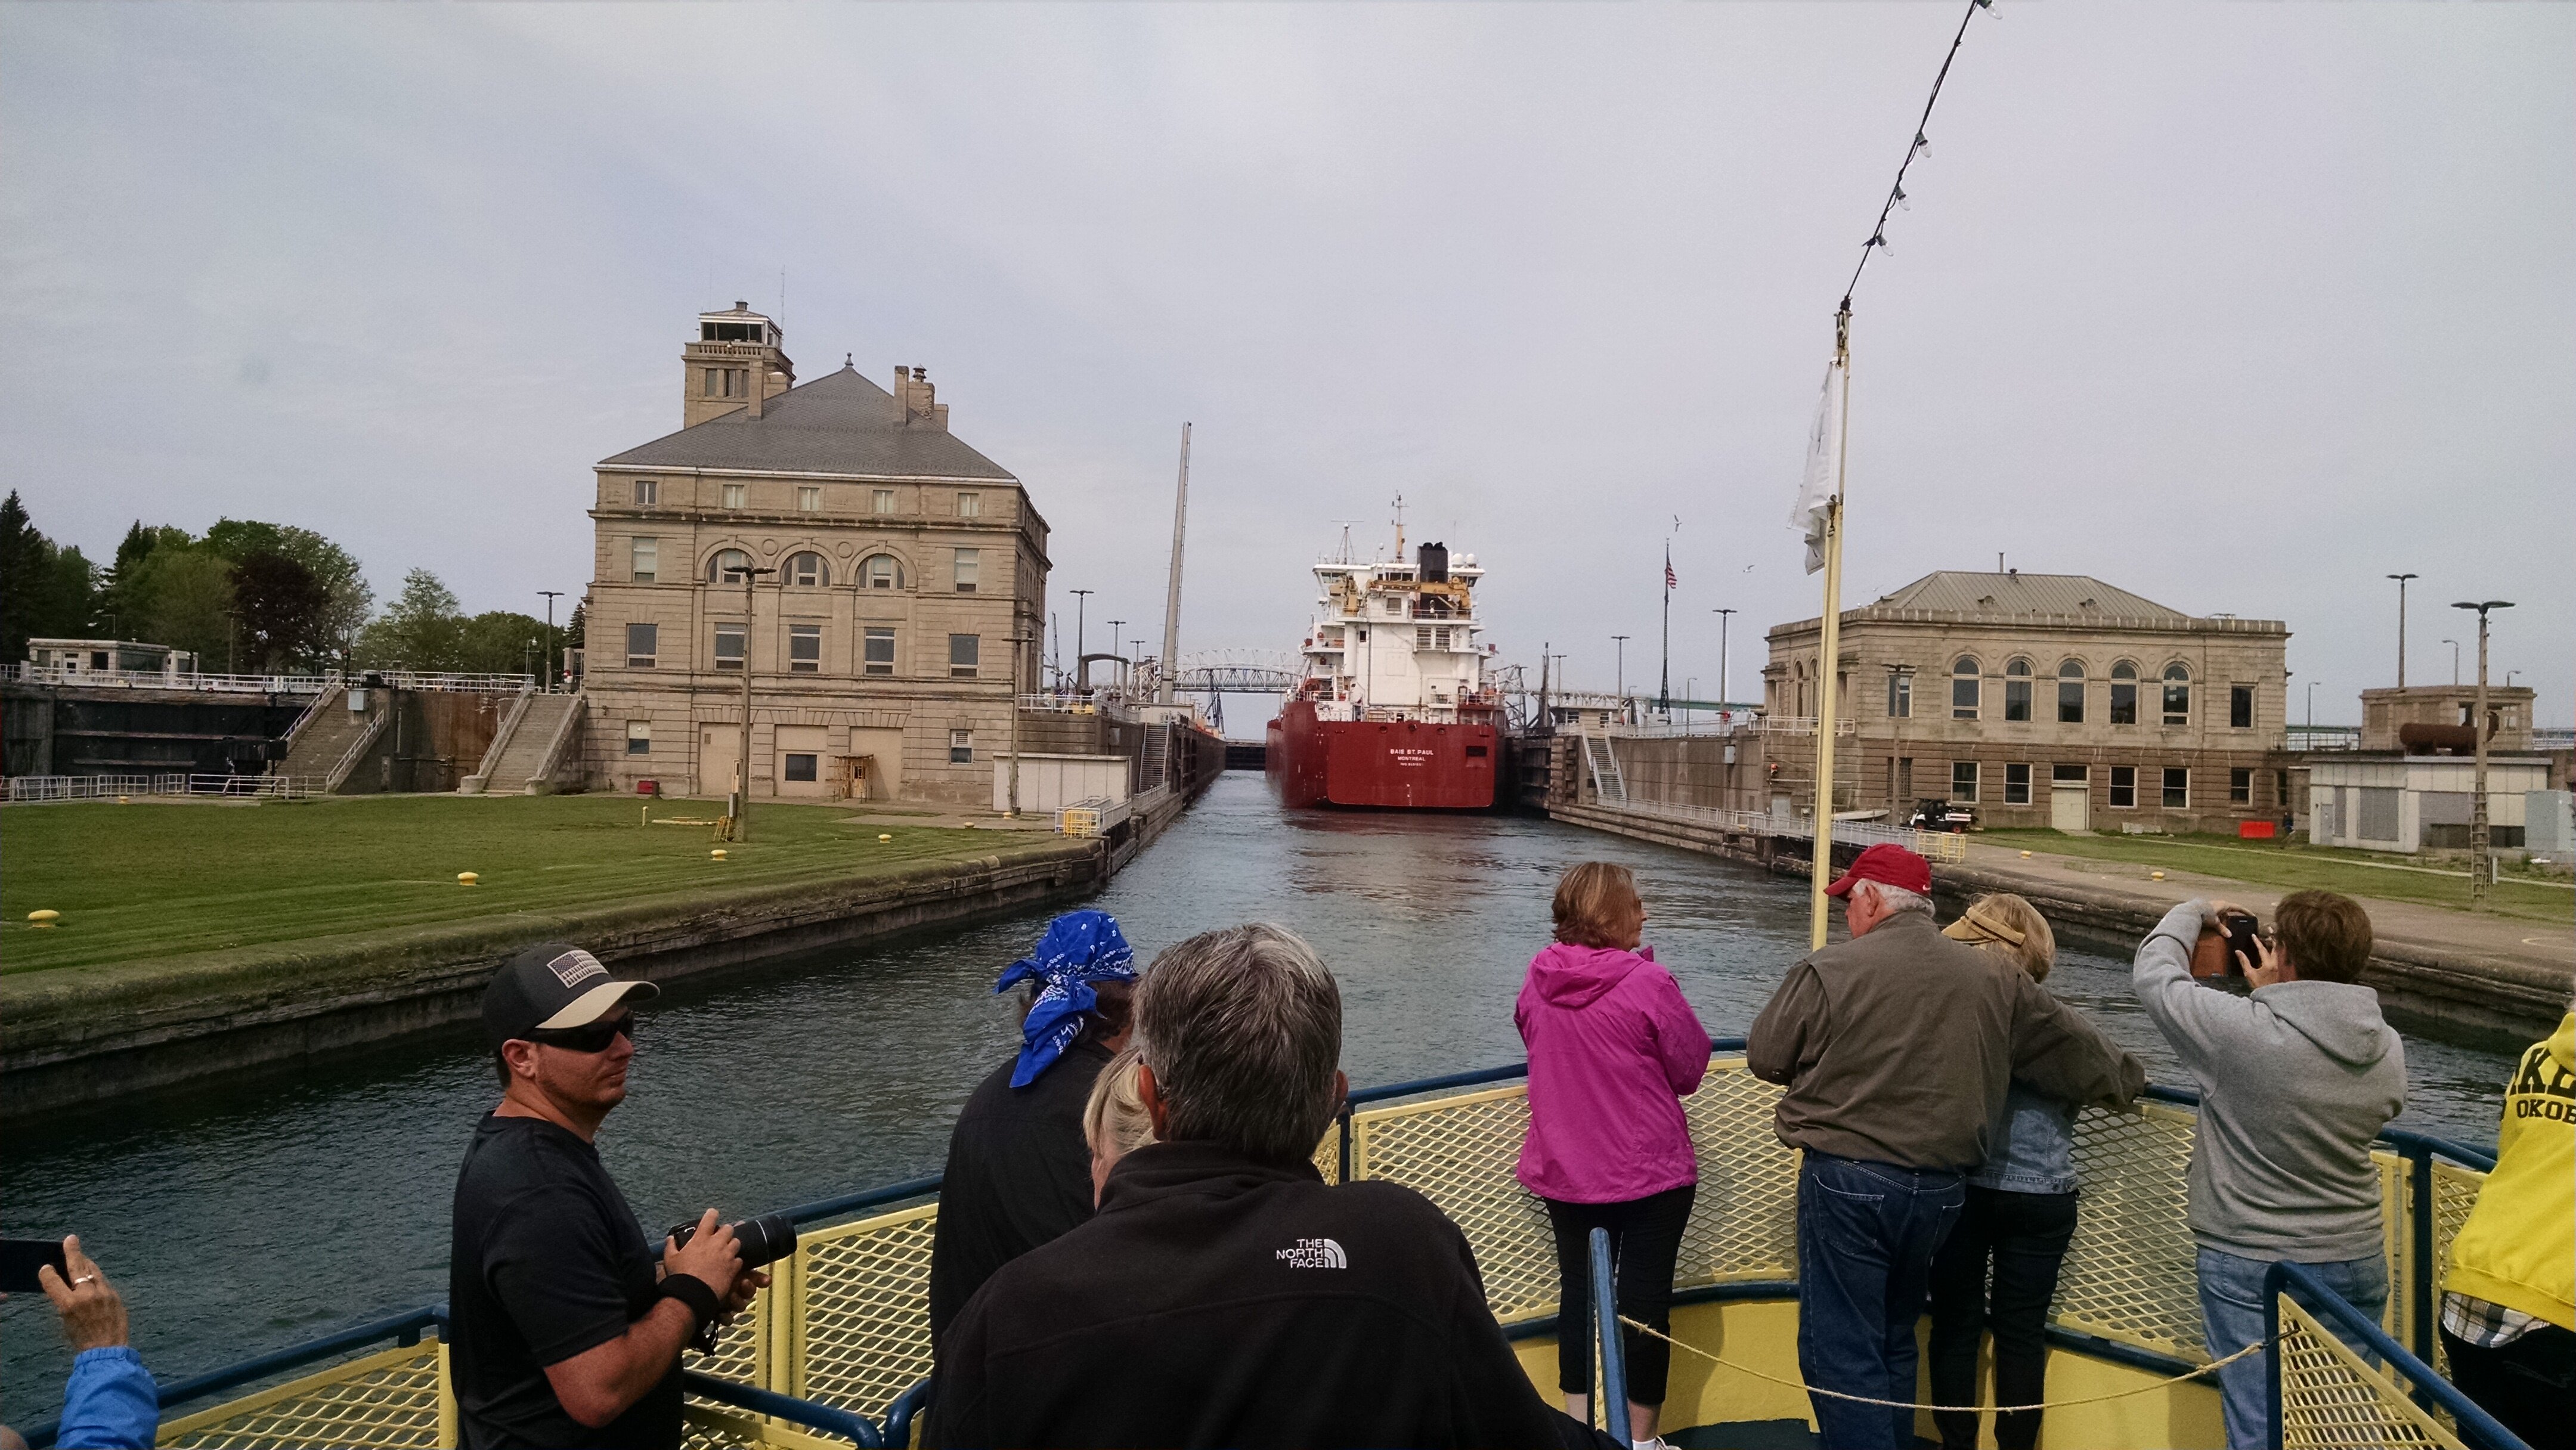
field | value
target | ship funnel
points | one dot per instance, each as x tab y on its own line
1434	560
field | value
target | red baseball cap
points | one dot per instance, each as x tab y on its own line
1888	863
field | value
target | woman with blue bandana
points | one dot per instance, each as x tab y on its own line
1019	1168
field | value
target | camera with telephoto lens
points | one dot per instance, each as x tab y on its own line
762	1240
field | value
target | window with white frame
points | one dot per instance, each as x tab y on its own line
2016	785
2240	786
1963	781
2177	694
1900	694
2017	690
968	566
648	492
727	566
805	649
809	499
643	559
1422	636
961	747
2070	693
2124	693
639	737
1964	680
2124	787
732	641
642	645
2177	792
881	571
965	654
806	570
878	658
734	495
970	505
881	501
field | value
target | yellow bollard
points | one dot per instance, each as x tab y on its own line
123	801
883	837
2155	876
43	920
467	878
717	853
2025	855
643	815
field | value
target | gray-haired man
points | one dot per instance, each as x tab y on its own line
1224	1294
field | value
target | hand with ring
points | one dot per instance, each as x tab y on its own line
93	1314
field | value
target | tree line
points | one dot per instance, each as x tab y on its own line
253	597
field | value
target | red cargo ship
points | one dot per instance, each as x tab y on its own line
1392	711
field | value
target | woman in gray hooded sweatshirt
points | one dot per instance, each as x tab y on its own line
2296	1077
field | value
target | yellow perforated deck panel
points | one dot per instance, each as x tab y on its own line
390	1397
2332	1399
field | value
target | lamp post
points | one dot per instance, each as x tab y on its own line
742	763
2455	660
2481	863
1725	682
2401	627
1622	675
1013	704
1113	649
551	596
1081	666
2312	710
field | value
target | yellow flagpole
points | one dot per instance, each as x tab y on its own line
1829	655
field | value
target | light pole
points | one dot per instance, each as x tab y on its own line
2312	709
2481	864
2401	627
1622	676
1725	683
551	596
742	763
1113	649
2455	661
1081	666
1013	706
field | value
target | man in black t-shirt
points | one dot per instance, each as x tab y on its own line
566	1323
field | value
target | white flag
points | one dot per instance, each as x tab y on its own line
1816	490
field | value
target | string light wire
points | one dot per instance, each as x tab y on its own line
1922	142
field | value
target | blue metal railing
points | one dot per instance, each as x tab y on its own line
1605	1317
2476	1426
807	1413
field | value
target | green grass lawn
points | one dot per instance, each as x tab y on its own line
2295	867
154	880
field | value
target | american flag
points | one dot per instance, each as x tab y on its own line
1671	580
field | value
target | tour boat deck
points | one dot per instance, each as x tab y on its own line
838	1348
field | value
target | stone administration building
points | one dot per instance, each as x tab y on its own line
2044	700
881	650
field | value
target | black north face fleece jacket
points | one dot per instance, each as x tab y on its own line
1218	1301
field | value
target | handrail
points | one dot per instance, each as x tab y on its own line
865	1198
551	762
2479	1427
811	1414
1605	1324
906	1408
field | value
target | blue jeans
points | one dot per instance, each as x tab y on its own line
1866	1236
2231	1313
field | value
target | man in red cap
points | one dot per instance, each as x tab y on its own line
1896	1048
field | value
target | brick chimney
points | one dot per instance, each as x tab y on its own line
916	404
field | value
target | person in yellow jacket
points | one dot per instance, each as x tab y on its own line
2509	1304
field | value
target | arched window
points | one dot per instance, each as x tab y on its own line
806	571
2017	690
2177	694
2070	693
722	569
881	571
1963	688
2124	693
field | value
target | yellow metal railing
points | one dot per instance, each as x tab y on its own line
846	1320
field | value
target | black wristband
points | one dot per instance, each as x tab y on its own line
693	1291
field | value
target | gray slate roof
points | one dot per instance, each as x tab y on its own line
840	423
1961	591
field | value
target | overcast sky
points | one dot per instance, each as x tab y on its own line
2241	307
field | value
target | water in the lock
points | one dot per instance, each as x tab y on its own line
249	1213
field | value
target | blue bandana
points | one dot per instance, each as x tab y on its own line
1079	948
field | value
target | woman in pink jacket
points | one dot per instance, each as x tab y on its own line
1613	1049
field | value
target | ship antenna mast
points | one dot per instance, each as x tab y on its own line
1399	528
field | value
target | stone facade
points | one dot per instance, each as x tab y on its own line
2043	700
880	649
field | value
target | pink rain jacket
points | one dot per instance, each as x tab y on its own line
1612	1050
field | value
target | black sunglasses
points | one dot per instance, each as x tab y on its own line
594	1037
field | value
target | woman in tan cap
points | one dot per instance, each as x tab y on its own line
2020	1215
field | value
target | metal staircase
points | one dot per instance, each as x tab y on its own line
1603	762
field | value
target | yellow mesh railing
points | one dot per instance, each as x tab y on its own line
859	1330
2333	1399
391	1397
2455	1192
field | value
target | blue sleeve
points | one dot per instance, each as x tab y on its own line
110	1402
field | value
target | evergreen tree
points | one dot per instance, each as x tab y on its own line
45	592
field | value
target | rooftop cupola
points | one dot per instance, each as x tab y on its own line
734	363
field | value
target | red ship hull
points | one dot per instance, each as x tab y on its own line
1387	764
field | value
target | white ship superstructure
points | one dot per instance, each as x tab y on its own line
1396	638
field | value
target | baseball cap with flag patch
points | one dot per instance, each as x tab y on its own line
554	985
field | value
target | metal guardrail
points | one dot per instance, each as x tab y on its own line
155	680
2321	1393
1947	846
109	787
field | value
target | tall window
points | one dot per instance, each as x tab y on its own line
1963	781
881	501
639	737
2240	707
2177	694
809	499
2177	788
1963	688
727	566
2124	693
879	656
648	492
969	565
806	571
644	559
2017	690
713	385
734	495
2124	787
880	571
961	747
965	651
2070	693
2240	787
1900	694
2016	785
731	640
970	505
642	645
805	649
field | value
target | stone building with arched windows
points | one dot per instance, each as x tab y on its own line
902	563
2043	700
